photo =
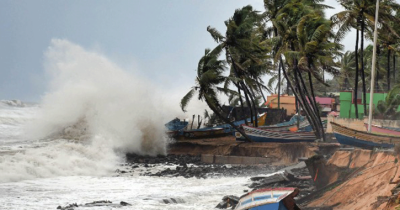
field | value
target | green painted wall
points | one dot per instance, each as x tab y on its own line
347	110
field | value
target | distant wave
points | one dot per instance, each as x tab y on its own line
16	103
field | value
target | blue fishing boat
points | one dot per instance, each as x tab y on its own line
176	124
268	199
209	132
261	135
363	139
291	122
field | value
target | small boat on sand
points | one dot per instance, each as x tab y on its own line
285	125
269	199
176	124
363	139
384	130
261	135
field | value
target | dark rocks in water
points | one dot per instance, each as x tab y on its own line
174	159
228	201
173	200
261	182
120	171
191	166
297	178
68	207
94	204
123	203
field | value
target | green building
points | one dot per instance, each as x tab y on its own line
347	107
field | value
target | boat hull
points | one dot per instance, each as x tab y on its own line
363	139
383	130
352	141
261	135
266	199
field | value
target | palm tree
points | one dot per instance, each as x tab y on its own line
272	8
304	43
244	52
347	69
388	108
360	14
209	75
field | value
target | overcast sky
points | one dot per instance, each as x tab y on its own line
159	39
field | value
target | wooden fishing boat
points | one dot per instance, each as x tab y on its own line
363	139
176	124
305	126
268	199
261	135
285	126
384	130
210	132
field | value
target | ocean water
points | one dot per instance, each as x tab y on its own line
43	174
66	148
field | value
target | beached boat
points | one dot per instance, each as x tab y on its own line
268	199
302	125
261	135
384	130
363	139
305	126
210	132
197	133
176	124
285	125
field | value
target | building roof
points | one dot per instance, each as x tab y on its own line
324	100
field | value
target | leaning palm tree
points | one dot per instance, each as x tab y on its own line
388	108
209	76
243	50
306	47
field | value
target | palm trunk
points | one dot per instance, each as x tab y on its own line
377	70
316	105
279	86
241	105
304	103
356	79
388	70
191	126
199	122
297	95
259	87
377	83
394	68
214	109
362	67
246	96
308	104
297	111
252	98
242	86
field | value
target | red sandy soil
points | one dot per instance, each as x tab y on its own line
369	187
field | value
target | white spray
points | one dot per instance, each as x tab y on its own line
91	99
